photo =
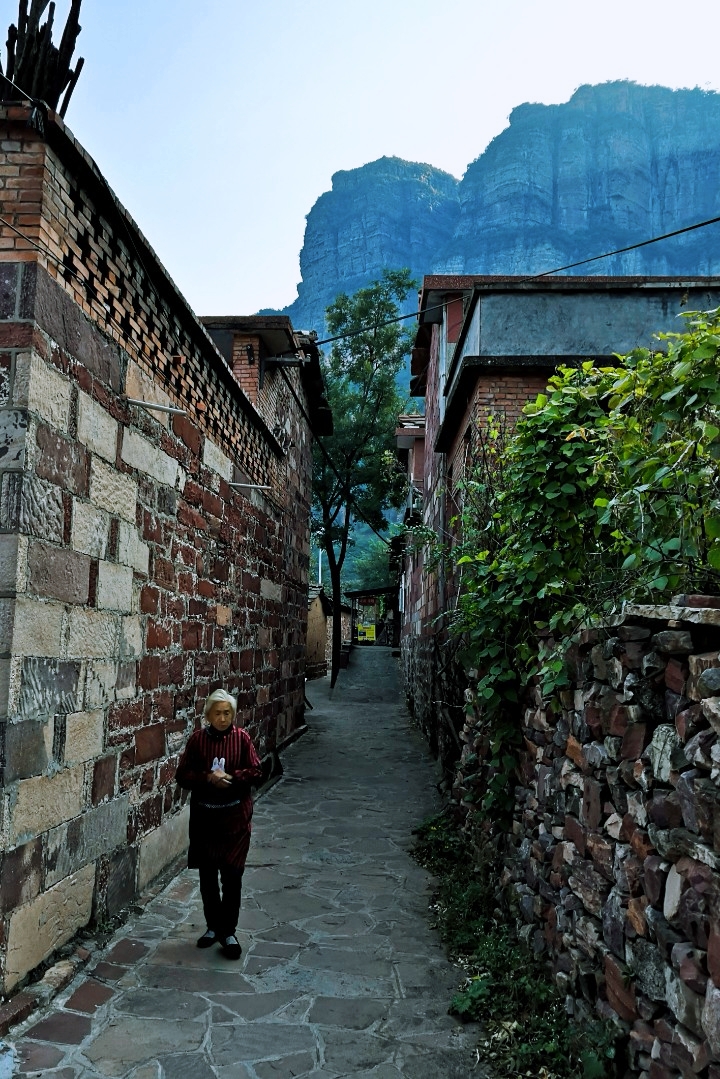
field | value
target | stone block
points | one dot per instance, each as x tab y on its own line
636	919
589	886
131	638
673	642
713	952
132	551
665	752
271	590
28	749
697	664
633	742
613	920
7	613
114	587
45	801
655	872
96	429
711	710
104	779
10	492
20	875
113	491
223	615
46	391
13	435
8	289
41	511
686	1005
90	529
36	929
100	683
119	872
215	459
688	722
84	839
8	562
698	750
37	629
690	963
140	453
620	989
601	851
62	461
162	846
140	387
591	813
91	634
5	666
708	683
649	968
675	678
84	736
58	573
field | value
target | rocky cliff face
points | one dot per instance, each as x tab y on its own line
390	213
616	164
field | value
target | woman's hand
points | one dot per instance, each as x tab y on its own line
220	778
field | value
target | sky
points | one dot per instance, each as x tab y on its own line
219	123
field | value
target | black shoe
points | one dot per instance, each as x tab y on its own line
208	938
231	947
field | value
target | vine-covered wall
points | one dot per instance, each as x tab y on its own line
612	857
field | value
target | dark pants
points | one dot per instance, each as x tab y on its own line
221	914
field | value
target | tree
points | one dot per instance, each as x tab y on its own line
353	470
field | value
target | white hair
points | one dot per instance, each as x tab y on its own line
220	695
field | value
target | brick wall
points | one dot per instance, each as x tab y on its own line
433	680
133	578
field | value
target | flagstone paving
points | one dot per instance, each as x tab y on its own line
341	974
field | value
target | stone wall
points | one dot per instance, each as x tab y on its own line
133	578
613	864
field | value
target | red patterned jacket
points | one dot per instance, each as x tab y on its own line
219	817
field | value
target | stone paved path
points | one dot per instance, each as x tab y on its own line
340	973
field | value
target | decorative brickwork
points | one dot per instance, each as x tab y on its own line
134	579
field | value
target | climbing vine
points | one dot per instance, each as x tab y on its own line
607	491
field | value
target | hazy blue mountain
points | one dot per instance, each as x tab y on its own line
616	164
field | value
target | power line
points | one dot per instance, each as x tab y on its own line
330	461
630	247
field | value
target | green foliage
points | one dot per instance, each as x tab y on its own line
607	491
360	376
527	1032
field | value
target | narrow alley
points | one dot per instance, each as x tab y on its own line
341	973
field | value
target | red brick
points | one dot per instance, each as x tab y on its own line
149	743
103	786
148	675
157	636
149	600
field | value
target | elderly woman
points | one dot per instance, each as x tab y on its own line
218	765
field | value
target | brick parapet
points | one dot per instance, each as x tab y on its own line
100	258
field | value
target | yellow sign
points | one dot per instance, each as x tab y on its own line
365	633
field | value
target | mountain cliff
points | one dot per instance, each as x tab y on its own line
615	165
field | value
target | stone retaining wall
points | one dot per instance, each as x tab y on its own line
614	857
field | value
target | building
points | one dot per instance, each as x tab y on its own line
154	538
485	346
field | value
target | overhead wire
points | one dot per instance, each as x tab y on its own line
329	461
374	326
